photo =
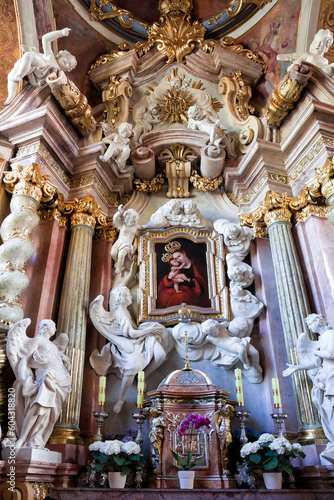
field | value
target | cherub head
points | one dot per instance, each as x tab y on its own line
316	322
210	327
189	207
131	217
125	129
46	328
120	296
322	41
66	60
174	207
195	112
231	231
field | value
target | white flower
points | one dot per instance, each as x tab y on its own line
111	447
265	438
95	446
297	447
131	448
281	445
249	449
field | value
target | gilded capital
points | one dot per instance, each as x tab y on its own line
30	181
82	218
277	215
325	177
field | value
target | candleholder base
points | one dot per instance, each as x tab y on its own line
279	417
139	417
100	417
242	416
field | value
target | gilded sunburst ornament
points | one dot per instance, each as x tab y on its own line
174	105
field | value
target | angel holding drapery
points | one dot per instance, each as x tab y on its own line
42	383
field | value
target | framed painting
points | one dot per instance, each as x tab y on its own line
179	266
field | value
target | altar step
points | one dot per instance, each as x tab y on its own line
177	494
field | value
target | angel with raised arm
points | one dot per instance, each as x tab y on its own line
317	357
36	66
42	381
130	349
125	247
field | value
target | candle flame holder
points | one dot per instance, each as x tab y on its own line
139	417
242	416
279	417
100	417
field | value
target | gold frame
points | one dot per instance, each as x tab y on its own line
148	276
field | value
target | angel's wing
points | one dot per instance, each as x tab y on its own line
17	341
305	347
103	322
107	130
61	342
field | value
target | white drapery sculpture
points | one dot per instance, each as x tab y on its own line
317	357
130	349
42	381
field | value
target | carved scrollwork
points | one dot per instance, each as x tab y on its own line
150	186
30	181
205	183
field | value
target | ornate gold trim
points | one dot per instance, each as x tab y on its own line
30	181
205	183
230	44
46	214
150	186
124	17
122	48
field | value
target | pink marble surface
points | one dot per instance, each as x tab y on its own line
177	494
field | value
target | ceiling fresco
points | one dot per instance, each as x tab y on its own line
133	19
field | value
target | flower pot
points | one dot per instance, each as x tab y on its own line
116	479
186	478
273	480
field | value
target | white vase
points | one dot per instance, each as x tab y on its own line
273	480
116	479
186	478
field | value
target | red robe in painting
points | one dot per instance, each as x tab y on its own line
194	293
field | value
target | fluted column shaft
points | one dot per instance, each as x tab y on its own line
294	308
72	319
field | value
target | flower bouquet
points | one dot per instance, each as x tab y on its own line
270	454
116	456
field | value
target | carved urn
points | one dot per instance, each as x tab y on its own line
180	394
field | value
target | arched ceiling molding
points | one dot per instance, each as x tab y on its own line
255	19
308	21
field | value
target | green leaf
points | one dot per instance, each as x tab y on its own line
119	460
271	464
287	468
126	470
256	458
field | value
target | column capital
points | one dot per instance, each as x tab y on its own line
275	208
30	181
83	211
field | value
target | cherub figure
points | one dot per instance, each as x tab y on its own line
175	276
148	119
317	358
42	381
36	66
321	43
130	349
125	246
237	239
119	145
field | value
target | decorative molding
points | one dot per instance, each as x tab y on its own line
205	183
124	17
230	44
122	48
30	181
150	186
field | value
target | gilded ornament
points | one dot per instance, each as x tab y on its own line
10	266
41	491
230	44
242	96
25	235
82	218
52	214
115	98
286	94
175	35
124	17
30	181
177	152
106	233
14	302
150	186
122	48
205	183
304	213
325	178
76	107
277	215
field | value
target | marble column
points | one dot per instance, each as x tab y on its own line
294	308
72	318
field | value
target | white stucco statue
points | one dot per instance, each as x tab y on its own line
119	145
125	247
317	357
233	346
321	43
42	381
145	123
36	66
238	272
237	239
178	213
198	119
130	349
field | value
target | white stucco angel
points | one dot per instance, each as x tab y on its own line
199	119
321	43
177	213
42	381
124	249
36	66
317	357
237	239
119	145
130	349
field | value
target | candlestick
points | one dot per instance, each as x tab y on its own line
276	393
238	385
140	417
100	417
279	417
242	416
102	391
140	389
